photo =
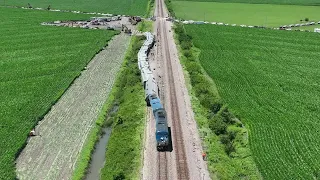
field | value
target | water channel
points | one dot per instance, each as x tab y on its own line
99	156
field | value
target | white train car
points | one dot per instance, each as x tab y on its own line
151	88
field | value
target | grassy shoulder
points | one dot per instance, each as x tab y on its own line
268	15
150	8
225	139
145	26
123	154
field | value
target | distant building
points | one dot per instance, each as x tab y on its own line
317	30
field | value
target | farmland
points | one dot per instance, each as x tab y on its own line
270	80
127	7
37	64
249	14
289	2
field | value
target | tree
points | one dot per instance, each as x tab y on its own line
306	19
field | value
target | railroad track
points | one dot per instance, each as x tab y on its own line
163	171
181	161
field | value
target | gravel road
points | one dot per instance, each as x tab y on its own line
65	128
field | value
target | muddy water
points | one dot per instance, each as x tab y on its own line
98	156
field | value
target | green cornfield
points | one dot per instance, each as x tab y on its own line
271	80
123	7
268	15
290	2
37	64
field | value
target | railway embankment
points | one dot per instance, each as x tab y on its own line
224	136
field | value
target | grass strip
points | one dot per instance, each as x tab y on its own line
170	8
145	26
150	8
123	151
225	139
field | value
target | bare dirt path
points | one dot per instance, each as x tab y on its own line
65	128
185	161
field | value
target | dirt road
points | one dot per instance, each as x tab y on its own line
185	160
65	128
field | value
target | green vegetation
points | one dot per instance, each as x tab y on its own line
150	9
271	80
249	14
85	157
289	2
145	26
127	7
170	8
123	156
225	138
108	110
37	63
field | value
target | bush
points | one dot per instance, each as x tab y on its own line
224	139
186	45
193	68
306	19
119	176
217	125
184	38
227	117
187	53
229	148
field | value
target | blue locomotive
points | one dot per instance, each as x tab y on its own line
162	133
160	116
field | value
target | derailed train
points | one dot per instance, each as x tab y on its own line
152	93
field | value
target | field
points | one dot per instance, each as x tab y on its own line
270	79
38	63
290	2
127	7
248	14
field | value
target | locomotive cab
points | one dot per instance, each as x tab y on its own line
162	133
162	140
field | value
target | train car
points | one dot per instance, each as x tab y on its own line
151	88
143	64
155	103
162	131
146	74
